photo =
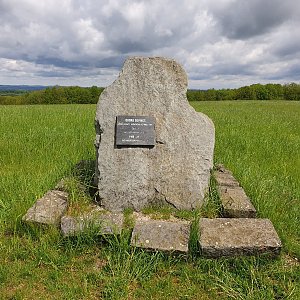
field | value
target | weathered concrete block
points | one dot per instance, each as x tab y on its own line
104	222
236	203
176	170
232	237
49	209
224	178
161	235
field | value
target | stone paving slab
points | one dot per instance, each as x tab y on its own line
161	235
233	237
105	222
236	204
48	209
224	177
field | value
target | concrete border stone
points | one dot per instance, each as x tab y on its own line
233	237
49	209
161	235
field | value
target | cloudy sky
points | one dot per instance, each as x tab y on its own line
220	43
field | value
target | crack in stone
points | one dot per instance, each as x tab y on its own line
159	142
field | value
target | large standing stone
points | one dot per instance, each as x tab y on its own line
176	170
232	237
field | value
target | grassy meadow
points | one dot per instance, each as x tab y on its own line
258	140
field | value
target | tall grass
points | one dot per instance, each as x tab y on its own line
38	146
258	141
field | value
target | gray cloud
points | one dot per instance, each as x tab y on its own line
223	69
290	73
285	45
223	42
243	19
288	50
111	62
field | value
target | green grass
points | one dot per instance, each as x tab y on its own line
258	141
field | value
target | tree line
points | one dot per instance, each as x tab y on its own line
85	95
11	92
56	95
269	91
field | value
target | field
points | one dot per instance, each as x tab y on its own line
258	140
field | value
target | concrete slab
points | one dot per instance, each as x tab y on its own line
233	237
105	222
48	209
236	204
224	177
161	235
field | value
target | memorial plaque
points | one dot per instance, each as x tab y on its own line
135	131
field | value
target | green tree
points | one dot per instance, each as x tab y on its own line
260	91
245	93
292	91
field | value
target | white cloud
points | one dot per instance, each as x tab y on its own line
221	43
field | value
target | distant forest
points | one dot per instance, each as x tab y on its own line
269	91
54	95
83	95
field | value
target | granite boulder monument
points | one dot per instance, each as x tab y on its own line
152	147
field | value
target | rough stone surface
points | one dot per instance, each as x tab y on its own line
49	209
225	178
161	235
176	170
236	204
105	222
232	237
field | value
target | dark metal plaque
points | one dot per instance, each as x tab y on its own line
135	131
